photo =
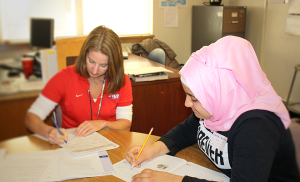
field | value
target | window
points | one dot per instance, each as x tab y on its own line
75	17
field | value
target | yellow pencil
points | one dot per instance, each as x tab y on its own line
142	146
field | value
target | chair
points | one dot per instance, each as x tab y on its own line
58	112
294	107
295	130
158	55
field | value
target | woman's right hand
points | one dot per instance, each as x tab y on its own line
146	155
54	137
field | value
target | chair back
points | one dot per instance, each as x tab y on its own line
295	130
58	112
158	55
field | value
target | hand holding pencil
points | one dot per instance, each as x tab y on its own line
132	165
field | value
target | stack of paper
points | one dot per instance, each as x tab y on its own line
49	65
147	73
86	145
169	164
80	157
53	165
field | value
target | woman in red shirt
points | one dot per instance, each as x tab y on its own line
93	94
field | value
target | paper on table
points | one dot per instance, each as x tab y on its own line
40	136
164	163
92	143
53	165
169	164
2	154
195	170
70	167
145	70
26	167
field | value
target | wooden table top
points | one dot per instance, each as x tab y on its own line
125	139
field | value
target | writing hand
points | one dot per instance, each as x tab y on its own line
146	155
55	137
88	127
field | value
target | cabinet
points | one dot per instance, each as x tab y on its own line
210	23
158	104
13	109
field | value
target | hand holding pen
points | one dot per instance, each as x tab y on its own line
58	129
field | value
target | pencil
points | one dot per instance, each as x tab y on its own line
54	121
142	146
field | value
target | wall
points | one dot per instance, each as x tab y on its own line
281	52
254	21
179	38
265	24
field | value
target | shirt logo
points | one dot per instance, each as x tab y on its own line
114	96
79	95
211	148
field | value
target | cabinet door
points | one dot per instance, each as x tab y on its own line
12	118
159	105
207	23
234	20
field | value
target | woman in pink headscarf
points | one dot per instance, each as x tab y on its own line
238	120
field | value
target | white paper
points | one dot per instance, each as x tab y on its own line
92	143
169	164
164	163
145	70
2	154
53	165
27	167
293	25
70	167
197	171
293	18
40	136
171	16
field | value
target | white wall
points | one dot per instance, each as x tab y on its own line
281	52
178	38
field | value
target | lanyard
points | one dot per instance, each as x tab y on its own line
99	103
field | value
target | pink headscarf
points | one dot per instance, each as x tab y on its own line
227	80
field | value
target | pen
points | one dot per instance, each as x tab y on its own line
54	121
142	146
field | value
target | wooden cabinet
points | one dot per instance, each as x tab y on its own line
158	104
13	109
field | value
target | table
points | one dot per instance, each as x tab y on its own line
125	139
158	104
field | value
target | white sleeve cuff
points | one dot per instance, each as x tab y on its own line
124	112
42	106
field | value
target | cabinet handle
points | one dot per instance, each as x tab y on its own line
233	21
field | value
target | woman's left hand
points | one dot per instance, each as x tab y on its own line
148	175
88	127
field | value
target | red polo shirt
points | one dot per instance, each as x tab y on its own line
70	90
